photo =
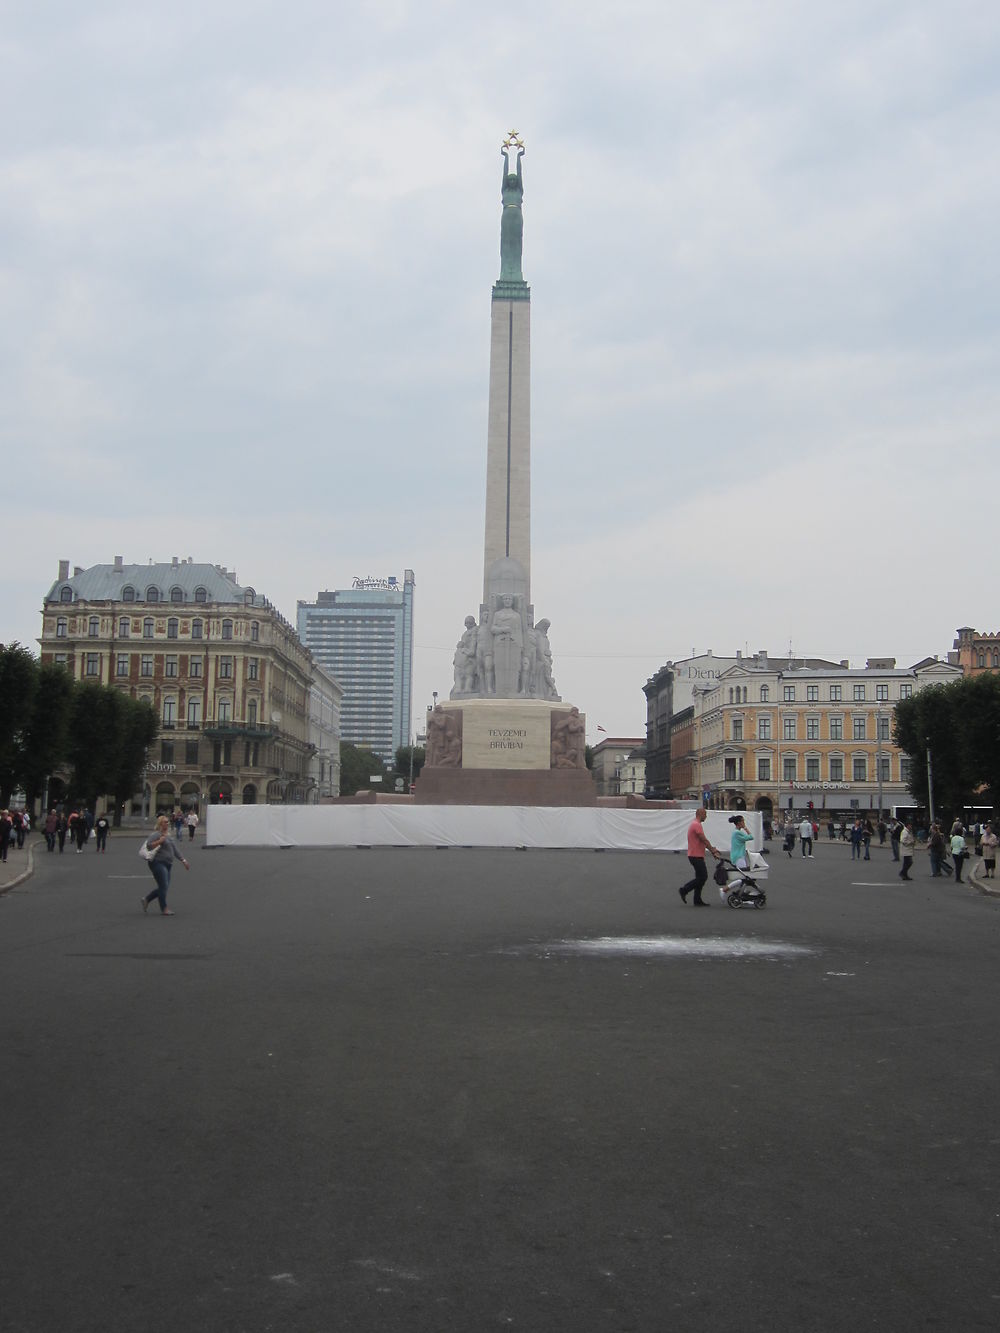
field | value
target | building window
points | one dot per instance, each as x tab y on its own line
859	729
836	728
59	659
980	659
859	691
836	768
905	765
61	627
194	668
152	594
812	694
121	669
737	728
252	712
906	691
881	692
166	752
763	770
170	713
194	712
128	593
253	668
200	595
124	627
177	594
882	728
788	768
885	770
789	728
730	770
227	629
148	628
254	631
191	753
763	728
171	628
196	629
764	694
812	768
93	666
65	594
225	710
94	627
812	728
225	668
170	665
146	665
789	694
835	694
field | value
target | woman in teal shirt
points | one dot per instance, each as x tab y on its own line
741	840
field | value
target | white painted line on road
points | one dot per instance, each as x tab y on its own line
128	877
869	884
677	946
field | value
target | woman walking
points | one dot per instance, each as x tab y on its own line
162	863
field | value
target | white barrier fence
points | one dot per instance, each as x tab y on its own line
463	826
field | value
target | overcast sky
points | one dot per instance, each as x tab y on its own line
246	252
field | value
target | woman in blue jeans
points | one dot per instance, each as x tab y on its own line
162	864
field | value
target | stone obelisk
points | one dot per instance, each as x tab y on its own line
508	445
504	736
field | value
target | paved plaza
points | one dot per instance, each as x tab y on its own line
464	1090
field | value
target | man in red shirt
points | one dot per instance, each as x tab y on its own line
698	843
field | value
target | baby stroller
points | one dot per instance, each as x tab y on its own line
739	888
789	844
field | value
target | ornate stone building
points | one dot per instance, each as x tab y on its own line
796	737
226	673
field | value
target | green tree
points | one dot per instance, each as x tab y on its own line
97	717
46	737
960	725
403	761
18	687
357	767
139	729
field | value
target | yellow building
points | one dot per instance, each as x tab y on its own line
226	674
817	738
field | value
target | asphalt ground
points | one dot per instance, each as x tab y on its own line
463	1090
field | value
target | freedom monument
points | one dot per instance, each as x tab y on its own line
505	754
504	736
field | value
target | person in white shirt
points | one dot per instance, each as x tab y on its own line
806	836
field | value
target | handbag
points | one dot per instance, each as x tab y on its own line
147	853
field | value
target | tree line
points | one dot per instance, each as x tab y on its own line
960	724
92	736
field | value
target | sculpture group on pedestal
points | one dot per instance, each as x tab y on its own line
504	656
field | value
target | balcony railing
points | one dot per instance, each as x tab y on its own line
227	729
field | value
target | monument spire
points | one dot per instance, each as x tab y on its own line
508	447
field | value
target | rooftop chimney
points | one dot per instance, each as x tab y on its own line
845	664
77	569
118	564
63	570
174	561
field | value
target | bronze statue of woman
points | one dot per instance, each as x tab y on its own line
511	220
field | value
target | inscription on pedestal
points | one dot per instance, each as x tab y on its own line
506	737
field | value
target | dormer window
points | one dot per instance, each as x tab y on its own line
152	594
177	594
200	595
128	593
764	694
66	594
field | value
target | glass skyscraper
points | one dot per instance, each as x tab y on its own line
363	635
